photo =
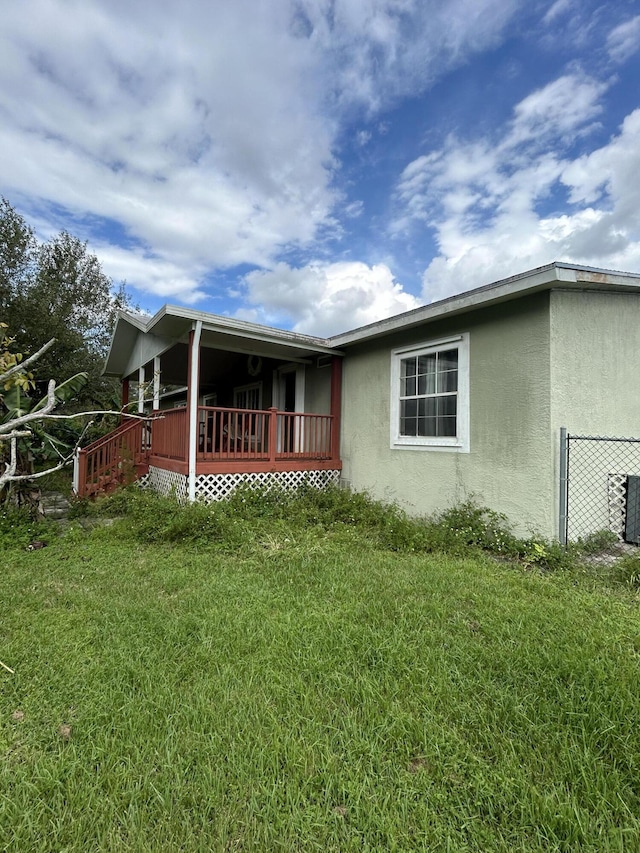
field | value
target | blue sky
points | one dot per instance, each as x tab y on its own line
321	164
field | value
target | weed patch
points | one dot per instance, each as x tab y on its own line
247	515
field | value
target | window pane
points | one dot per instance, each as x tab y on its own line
409	408
448	360
407	367
427	383
429	426
448	371
427	363
447	405
408	426
408	386
429	406
447	426
448	381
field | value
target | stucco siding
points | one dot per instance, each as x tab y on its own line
509	466
595	352
317	389
595	371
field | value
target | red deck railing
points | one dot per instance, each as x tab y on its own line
170	434
254	434
114	458
224	435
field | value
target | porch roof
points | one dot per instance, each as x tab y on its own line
138	338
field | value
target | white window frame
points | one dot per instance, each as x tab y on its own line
243	389
458	443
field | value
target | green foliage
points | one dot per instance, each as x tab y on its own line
627	570
310	692
468	525
45	444
20	526
251	515
10	360
58	289
598	542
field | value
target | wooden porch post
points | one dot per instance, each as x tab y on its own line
193	385
273	433
141	383
156	383
336	404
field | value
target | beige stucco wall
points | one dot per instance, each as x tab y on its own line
317	389
595	390
509	467
595	351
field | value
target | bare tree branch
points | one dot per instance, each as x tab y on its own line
13	429
36	415
17	368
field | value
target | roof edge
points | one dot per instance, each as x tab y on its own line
540	278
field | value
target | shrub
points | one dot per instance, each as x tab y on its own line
250	514
628	570
470	525
598	542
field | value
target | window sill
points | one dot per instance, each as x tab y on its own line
455	445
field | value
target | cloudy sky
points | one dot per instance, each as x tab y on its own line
320	164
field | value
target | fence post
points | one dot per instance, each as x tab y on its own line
273	433
564	486
80	473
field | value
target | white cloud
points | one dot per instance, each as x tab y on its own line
324	299
207	130
378	50
556	110
559	8
624	40
151	274
484	198
468	179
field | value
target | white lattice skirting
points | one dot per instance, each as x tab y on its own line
168	483
617	499
217	487
142	482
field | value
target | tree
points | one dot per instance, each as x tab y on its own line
57	289
17	251
22	421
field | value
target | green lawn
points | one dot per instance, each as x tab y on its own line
310	693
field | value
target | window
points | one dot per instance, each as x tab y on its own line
248	396
430	395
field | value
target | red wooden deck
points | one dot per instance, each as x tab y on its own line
228	441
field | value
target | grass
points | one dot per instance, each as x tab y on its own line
279	685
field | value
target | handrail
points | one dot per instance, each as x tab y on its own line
262	434
104	439
224	435
112	458
169	435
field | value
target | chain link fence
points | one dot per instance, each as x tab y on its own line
599	487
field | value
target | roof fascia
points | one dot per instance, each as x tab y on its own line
246	330
543	278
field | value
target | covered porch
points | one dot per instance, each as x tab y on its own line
221	402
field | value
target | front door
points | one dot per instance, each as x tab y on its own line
289	397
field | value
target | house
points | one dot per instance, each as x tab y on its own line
463	397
